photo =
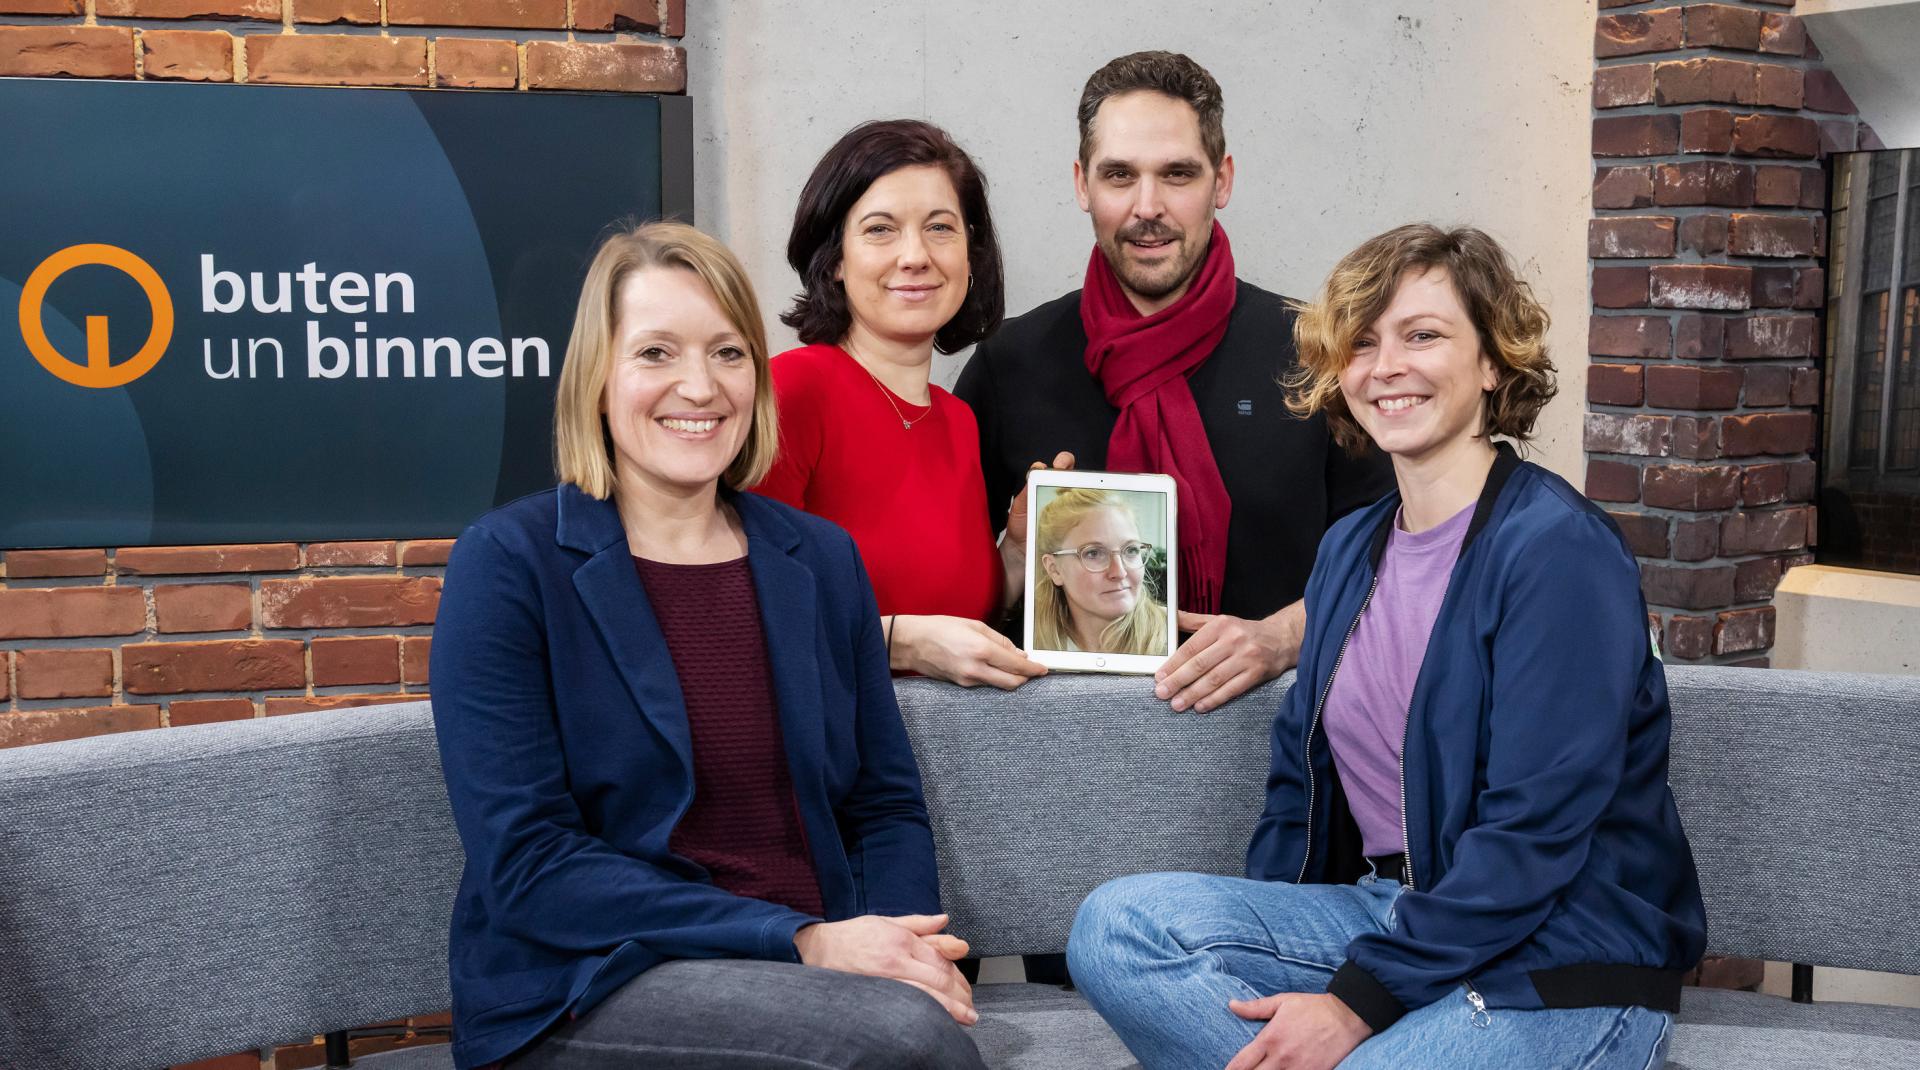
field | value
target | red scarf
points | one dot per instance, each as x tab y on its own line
1142	362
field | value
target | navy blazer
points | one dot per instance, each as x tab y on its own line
568	760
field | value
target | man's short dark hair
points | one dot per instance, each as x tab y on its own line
862	157
1168	73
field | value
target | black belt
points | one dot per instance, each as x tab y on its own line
1391	867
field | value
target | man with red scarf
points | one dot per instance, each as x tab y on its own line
1166	362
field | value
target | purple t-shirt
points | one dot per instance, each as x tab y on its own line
1366	714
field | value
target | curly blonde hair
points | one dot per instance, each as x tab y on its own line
1510	321
1142	631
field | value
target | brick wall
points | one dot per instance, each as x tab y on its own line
112	640
1712	123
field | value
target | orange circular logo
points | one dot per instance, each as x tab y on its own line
98	370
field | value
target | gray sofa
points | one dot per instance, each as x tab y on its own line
167	896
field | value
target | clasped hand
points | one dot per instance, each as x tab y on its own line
1304	1031
1226	656
908	948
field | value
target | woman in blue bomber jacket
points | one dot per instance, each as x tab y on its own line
1469	855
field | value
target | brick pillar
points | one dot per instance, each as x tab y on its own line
1712	123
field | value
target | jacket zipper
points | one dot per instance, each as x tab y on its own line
1314	727
1406	839
1478	1016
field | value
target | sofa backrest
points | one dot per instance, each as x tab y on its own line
167	896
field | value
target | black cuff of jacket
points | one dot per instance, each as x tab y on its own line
1366	996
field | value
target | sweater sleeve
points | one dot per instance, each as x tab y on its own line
802	433
1566	660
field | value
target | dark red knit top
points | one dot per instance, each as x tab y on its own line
744	823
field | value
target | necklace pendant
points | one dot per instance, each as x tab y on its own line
906	424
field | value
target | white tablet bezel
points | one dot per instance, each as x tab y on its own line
1086	661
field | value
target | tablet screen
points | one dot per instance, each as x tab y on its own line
1098	575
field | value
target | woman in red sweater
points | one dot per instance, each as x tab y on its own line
897	257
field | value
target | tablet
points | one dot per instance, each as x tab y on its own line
1100	593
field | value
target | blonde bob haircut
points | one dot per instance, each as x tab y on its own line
1510	321
1142	631
583	449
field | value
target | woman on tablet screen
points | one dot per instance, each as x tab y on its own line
1090	592
897	257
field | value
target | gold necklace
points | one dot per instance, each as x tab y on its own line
888	394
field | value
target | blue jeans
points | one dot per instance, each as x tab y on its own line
1159	956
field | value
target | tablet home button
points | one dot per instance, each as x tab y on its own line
1099	663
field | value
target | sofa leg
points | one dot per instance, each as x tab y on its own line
337	1057
1802	983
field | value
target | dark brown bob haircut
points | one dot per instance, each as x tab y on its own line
862	157
1511	323
1168	73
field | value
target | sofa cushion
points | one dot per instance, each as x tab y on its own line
1745	1031
1041	1027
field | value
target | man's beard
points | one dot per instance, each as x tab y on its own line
1152	283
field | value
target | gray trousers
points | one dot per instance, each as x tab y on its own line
734	1014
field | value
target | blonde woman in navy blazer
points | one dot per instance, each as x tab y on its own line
588	670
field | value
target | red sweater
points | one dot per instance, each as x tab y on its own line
744	824
912	498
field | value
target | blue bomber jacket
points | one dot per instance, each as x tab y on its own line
1545	862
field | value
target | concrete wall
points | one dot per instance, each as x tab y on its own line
1345	119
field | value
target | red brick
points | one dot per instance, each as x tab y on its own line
1825	93
1629	336
1868	140
24	727
421	552
1763	484
268	10
1764	531
621	67
348	554
65	673
41	564
1612	481
618	15
1773	286
1743	630
1809	288
1632	135
6	673
467	63
66	51
675	24
1696	539
1768	385
1704	235
60	612
1696	438
1708	130
185	560
1614	384
1801	477
1691	487
506	14
1623	187
1754	581
1625	237
1804	387
349	601
326	12
1777	185
1634	436
1641	32
188	55
337	59
218	665
1703	80
1728	185
185	711
1646	534
1777	433
1699	337
1776	135
415	658
1752	234
1779	86
280	707
1623	85
1688	638
1619	287
1722	26
372	659
1760	337
1712	286
43	7
1687	588
1691	387
213	607
1839	135
1782	35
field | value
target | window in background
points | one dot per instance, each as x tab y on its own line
1870	480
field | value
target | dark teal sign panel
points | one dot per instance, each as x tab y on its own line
248	313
